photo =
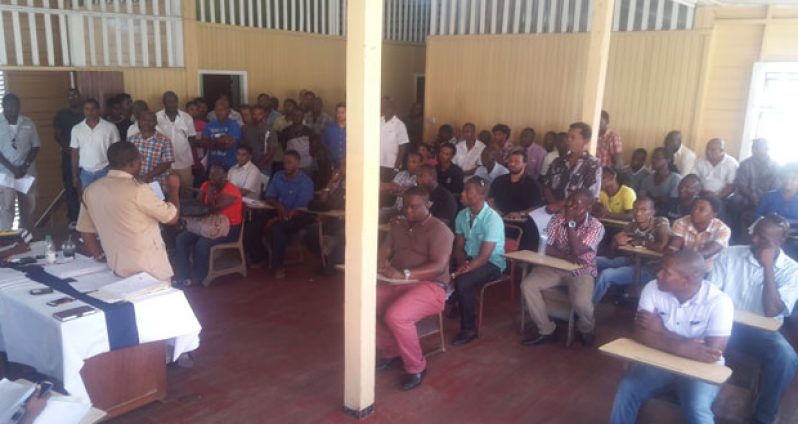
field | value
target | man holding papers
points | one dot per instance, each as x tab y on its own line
682	314
19	145
763	280
125	213
417	250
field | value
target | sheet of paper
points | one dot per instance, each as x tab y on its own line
12	395
92	282
63	410
24	184
130	287
75	268
156	187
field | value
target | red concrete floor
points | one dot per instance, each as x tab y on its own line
272	351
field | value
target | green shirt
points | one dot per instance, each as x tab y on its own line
488	227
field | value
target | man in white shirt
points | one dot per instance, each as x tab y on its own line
683	315
89	141
246	175
683	157
19	145
393	141
178	126
490	168
717	170
763	280
468	150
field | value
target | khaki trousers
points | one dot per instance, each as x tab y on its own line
27	205
580	292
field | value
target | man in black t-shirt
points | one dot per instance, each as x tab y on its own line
63	122
450	176
444	205
516	194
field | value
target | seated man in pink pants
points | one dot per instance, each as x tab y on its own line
417	250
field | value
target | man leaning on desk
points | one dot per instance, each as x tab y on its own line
682	314
125	213
763	280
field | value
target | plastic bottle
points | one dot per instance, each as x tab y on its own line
49	250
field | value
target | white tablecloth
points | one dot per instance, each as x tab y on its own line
30	335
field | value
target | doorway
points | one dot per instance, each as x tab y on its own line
772	110
233	84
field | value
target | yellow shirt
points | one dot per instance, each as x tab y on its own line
125	214
621	202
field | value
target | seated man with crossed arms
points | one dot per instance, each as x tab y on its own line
762	279
416	249
682	314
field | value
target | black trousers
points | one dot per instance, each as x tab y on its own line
466	286
70	194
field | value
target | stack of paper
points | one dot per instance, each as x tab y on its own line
130	288
92	282
63	410
75	268
12	396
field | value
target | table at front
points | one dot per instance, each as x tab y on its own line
77	352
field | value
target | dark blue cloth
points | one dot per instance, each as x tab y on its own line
120	318
774	202
334	138
214	129
293	193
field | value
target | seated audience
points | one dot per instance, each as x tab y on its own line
756	176
262	141
468	150
221	136
763	280
717	170
645	230
299	138
560	149
289	191
500	134
444	205
662	183
573	235
416	249
334	137
616	201
90	140
222	198
445	135
634	174
450	176
701	231
576	171
490	169
683	158
136	246
516	194
403	180
486	137
676	207
316	118
548	141
535	154
245	175
609	148
332	197
157	154
783	201
682	314
427	154
282	122
478	254
246	114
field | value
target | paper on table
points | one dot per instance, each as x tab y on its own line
63	410
156	187
91	282
21	185
136	285
12	395
76	268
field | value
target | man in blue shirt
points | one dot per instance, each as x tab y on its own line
478	252
222	137
334	136
289	192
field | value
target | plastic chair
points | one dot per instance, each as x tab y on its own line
510	245
217	253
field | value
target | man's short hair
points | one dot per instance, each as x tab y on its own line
122	154
417	191
293	153
245	147
502	128
428	169
340	104
608	170
258	107
585	195
447	146
690	263
640	151
710	198
583	128
413	153
124	96
470	125
518	151
287	101
646	199
532	130
92	101
219	165
10	97
113	101
479	183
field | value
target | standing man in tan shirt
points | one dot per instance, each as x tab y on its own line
126	213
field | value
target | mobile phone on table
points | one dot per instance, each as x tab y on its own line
70	314
22	261
36	292
44	388
60	301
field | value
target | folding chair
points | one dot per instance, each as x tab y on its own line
512	239
218	254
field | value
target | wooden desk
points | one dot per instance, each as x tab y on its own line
513	220
631	350
617	223
757	321
640	252
535	258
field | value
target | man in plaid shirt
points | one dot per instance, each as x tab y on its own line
609	148
155	148
574	235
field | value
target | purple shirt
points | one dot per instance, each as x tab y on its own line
534	159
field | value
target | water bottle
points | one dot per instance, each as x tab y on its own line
69	248
49	250
544	239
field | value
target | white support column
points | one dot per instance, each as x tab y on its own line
202	17
258	13
552	15
232	9
301	16
517	17
589	25
77	40
268	6
363	88
442	27
690	15
343	13
177	31
104	36
596	70
222	11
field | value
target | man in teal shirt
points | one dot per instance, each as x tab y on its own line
478	252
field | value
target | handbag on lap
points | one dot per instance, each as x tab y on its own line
211	227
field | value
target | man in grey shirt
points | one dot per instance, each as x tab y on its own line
261	140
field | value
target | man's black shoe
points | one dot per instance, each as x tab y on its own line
464	338
539	340
411	381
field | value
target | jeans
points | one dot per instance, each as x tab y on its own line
643	382
281	232
466	286
202	253
70	194
616	271
88	177
779	363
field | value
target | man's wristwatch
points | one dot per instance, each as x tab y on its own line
572	224
406	272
